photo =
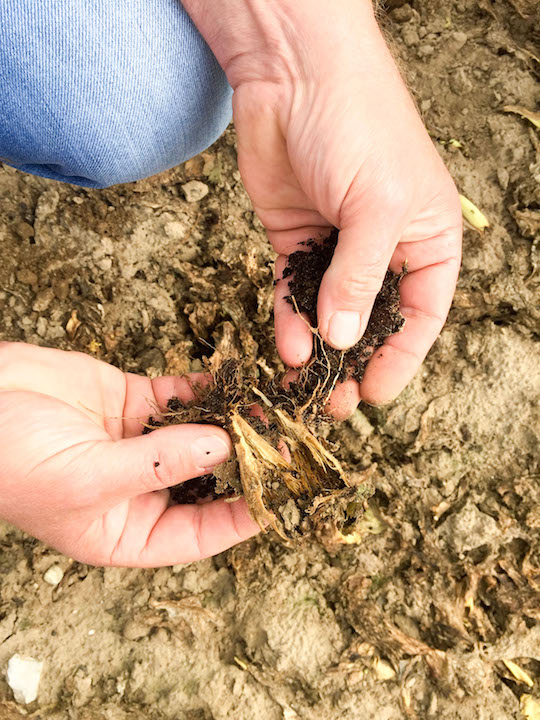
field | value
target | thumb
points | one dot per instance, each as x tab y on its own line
354	278
161	459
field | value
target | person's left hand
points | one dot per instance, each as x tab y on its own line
77	473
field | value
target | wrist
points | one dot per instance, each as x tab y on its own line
279	40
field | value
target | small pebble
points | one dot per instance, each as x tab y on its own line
135	630
503	176
195	190
23	675
41	327
43	300
54	332
469	528
402	14
426	50
24	230
410	36
457	40
105	264
460	83
383	670
27	277
290	514
54	575
289	714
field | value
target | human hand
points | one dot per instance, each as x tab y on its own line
329	136
77	473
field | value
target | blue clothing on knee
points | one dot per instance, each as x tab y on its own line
99	92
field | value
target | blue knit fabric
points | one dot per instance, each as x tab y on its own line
99	92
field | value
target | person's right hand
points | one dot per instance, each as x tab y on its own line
329	136
77	473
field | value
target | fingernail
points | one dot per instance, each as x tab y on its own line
344	329
209	451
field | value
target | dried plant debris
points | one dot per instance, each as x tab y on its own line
288	473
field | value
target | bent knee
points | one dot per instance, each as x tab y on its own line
133	143
138	147
151	96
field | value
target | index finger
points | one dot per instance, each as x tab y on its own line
145	397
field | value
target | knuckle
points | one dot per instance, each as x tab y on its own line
359	287
159	471
393	192
395	198
450	246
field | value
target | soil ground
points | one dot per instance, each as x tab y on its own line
416	621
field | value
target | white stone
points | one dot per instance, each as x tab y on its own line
54	575
195	190
289	714
469	528
383	670
23	675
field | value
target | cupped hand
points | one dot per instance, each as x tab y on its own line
329	136
77	473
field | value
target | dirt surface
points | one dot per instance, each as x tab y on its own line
417	621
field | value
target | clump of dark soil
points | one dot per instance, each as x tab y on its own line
286	470
306	270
